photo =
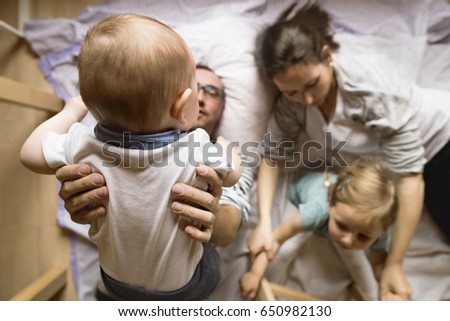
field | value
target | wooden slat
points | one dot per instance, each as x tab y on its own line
265	292
45	287
270	291
14	91
290	294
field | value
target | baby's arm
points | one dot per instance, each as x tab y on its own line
231	177
31	153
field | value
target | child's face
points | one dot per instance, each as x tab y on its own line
351	229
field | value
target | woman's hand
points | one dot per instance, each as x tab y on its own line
393	284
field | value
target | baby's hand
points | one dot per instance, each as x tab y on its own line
233	176
250	283
236	152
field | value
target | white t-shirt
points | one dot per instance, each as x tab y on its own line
140	241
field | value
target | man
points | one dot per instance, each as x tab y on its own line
217	215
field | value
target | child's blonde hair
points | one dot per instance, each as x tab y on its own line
131	70
371	188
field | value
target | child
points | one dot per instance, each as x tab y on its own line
137	77
355	212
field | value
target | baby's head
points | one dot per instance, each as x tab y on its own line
363	203
133	71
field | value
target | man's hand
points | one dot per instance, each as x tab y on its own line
197	205
82	192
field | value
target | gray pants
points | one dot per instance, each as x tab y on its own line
205	279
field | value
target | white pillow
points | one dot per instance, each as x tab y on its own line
226	45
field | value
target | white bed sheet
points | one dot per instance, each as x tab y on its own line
415	33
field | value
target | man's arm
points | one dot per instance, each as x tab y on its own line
226	225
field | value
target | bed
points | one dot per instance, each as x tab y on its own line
415	33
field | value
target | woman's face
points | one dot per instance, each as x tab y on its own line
308	85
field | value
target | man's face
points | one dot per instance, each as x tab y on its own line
211	105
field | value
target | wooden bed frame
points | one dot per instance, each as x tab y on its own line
34	257
271	292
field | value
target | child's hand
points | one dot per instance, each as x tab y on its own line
76	107
274	250
250	283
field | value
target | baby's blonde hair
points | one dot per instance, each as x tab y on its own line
131	70
371	188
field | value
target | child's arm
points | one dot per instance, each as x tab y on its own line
287	229
251	280
31	153
261	238
377	260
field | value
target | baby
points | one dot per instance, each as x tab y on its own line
137	78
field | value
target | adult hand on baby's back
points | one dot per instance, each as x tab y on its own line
83	191
197	205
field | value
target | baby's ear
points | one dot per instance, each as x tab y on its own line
177	109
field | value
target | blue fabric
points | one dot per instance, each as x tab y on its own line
128	140
311	196
205	279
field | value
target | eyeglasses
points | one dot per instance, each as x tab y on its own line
212	92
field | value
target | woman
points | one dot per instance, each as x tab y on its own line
363	101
